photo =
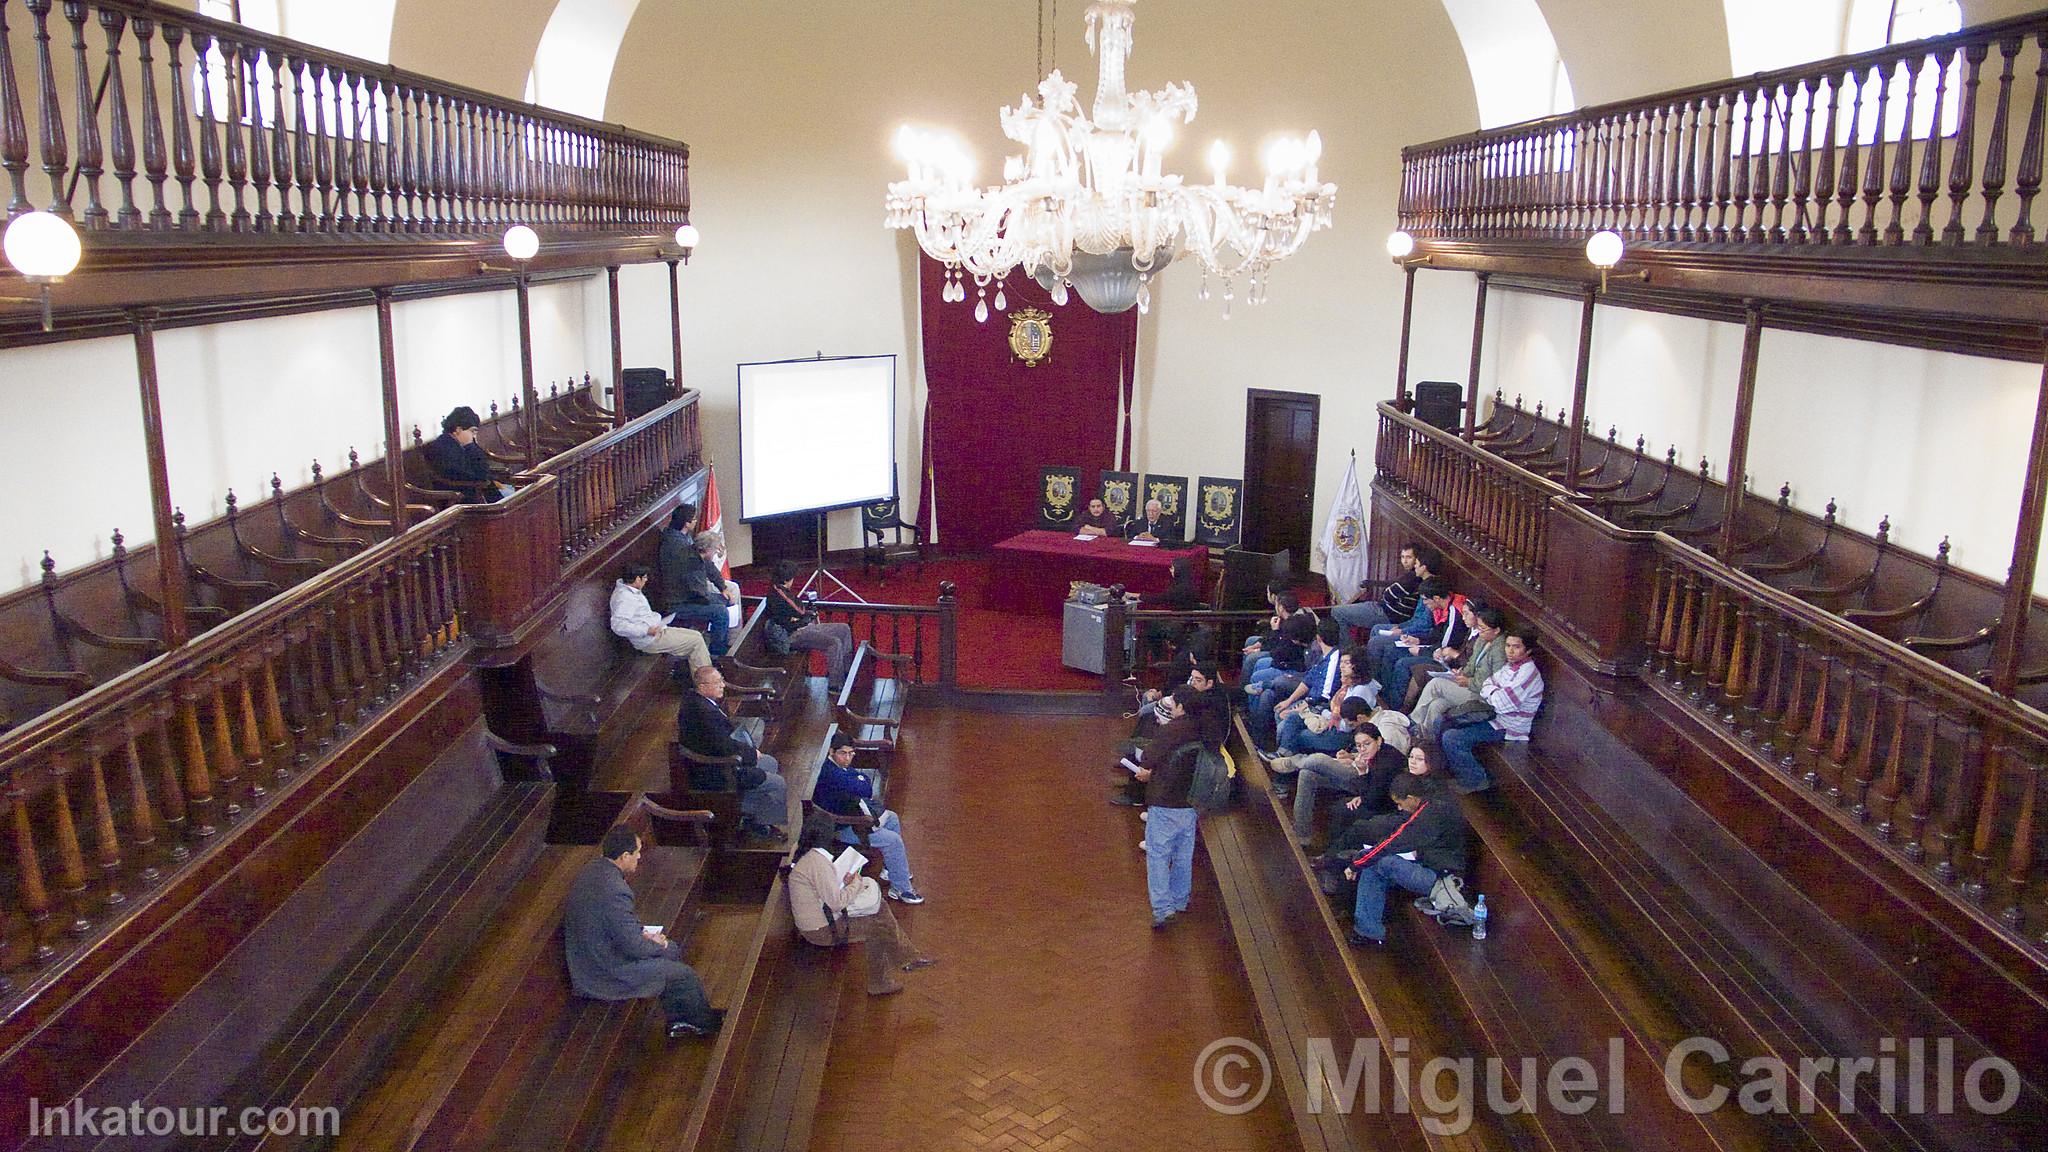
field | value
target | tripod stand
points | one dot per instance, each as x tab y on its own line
825	574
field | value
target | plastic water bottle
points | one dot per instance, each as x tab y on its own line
1479	918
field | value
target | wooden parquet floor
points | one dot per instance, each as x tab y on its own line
1056	1018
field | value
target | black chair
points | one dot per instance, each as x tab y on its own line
886	540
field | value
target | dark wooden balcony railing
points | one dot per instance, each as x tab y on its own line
607	481
925	633
1494	508
145	119
1938	141
1939	769
115	793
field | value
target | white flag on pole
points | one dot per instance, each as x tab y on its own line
1343	541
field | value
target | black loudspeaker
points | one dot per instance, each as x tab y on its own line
1440	404
1245	574
646	389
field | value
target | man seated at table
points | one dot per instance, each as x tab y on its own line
1098	521
703	727
1154	526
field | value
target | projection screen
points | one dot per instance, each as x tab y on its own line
816	434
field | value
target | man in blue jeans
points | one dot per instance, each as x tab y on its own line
1515	692
1168	772
703	597
1428	842
843	791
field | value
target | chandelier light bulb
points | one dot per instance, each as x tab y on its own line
1604	249
1400	244
42	246
1219	161
521	243
686	236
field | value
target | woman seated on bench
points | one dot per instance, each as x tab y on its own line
831	909
795	628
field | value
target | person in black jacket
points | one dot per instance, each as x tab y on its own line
703	727
801	630
1432	829
676	567
1168	772
457	459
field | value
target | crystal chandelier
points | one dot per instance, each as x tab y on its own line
1087	205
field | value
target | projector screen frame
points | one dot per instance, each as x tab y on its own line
739	414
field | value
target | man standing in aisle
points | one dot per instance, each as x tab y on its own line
1168	773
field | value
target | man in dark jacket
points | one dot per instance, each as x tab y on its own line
611	957
844	791
703	727
455	458
1168	772
675	567
1432	830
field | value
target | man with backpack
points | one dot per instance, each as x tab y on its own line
1427	845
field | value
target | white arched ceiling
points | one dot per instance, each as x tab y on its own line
358	28
1516	71
572	67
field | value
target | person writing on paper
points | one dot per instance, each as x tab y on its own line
1097	522
830	909
613	957
647	631
843	791
705	597
1153	527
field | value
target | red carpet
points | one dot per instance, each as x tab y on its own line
996	649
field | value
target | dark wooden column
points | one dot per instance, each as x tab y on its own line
2010	646
170	564
1738	444
1576	442
1401	362
530	424
1478	345
394	454
611	280
675	328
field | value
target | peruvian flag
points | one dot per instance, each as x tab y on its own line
713	519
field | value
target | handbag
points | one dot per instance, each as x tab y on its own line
1448	904
867	899
1316	721
776	638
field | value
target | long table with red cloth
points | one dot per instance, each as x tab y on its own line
1031	570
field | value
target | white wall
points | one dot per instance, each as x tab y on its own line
1936	441
244	400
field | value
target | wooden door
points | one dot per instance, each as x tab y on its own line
1280	471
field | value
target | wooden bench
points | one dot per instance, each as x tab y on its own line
512	1059
876	720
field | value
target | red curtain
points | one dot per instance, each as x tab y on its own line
991	421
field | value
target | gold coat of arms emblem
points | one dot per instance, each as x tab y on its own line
1031	335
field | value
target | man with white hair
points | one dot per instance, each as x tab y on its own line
1153	526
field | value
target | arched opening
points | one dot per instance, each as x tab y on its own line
1517	73
572	66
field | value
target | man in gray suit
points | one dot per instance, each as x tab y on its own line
611	957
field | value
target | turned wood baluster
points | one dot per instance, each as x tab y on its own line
1995	147
209	132
305	143
430	163
362	664
405	164
281	152
1684	172
1836	763
312	701
1956	811
1962	170
1703	653
13	143
277	735
343	695
87	170
313	90
1660	595
1891	783
1778	650
1977	874
1793	721
183	165
2029	180
199	797
106	841
232	71
1814	742
1901	188
419	640
142	818
51	119
1809	217
1753	698
1675	582
390	627
1856	789
343	144
1744	155
121	133
1781	167
370	621
1930	156
1715	627
1736	688
2020	855
29	890
155	158
227	764
370	153
1822	190
1682	662
1846	178
170	790
449	211
1874	175
70	858
249	727
255	62
449	564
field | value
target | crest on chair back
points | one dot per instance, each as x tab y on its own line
1057	488
1217	519
1119	493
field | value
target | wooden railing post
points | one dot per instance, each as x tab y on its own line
675	330
1478	346
1114	620
1738	447
1577	440
394	445
1401	359
170	565
530	429
611	282
2009	648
